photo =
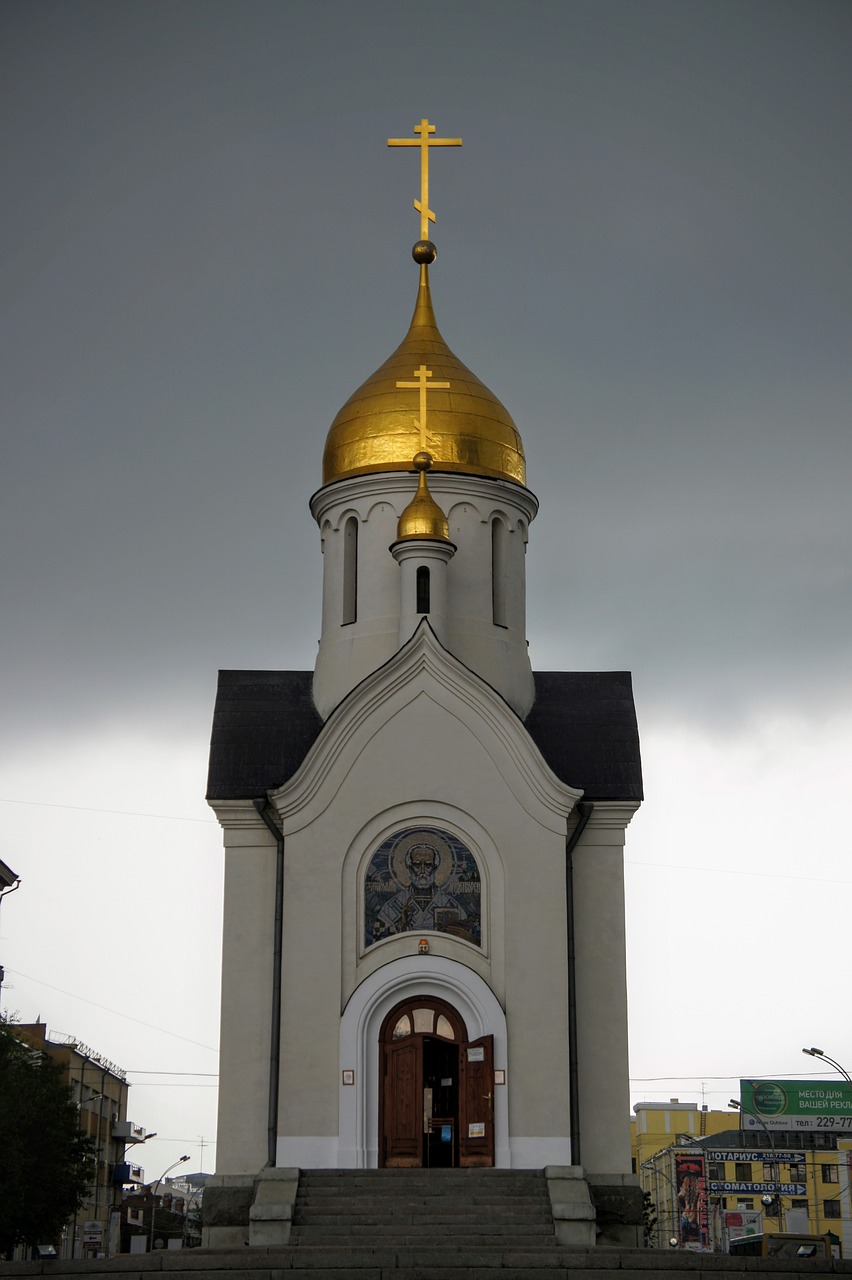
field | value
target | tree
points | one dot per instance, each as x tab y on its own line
47	1163
649	1220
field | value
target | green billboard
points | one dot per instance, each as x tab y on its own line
796	1104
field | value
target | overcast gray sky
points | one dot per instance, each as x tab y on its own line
644	251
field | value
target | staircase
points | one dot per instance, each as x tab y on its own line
412	1224
435	1218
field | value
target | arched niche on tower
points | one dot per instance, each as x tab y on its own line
360	957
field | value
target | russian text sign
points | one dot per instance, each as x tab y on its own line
796	1104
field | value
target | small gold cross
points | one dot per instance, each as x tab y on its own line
424	142
422	374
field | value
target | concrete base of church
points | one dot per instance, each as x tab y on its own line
626	1264
618	1205
244	1209
571	1206
257	1211
594	1210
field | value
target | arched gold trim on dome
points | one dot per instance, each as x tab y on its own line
468	429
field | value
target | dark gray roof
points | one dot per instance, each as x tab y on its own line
7	875
583	722
264	724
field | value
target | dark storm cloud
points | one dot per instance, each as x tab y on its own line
644	250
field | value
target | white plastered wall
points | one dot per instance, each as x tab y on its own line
348	653
247	949
599	935
424	740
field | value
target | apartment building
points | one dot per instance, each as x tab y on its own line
99	1088
711	1180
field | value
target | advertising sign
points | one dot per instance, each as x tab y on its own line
742	1222
768	1155
796	1104
759	1188
691	1185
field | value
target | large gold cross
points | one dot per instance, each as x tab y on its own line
422	374
424	142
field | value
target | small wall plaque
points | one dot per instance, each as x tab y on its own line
348	1077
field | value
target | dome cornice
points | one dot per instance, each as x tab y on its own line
398	488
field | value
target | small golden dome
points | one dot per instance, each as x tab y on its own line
422	518
467	428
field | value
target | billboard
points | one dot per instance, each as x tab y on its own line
742	1222
796	1104
691	1187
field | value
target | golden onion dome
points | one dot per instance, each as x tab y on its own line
422	518
467	428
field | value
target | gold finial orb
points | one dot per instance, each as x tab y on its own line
422	460
424	252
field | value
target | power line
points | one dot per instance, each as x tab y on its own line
749	1075
106	1009
118	813
167	1084
214	1074
725	871
663	866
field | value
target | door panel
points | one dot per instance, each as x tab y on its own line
403	1104
476	1103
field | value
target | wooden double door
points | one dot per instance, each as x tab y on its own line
437	1104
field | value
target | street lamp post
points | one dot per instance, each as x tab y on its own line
832	1062
651	1166
821	1054
738	1106
154	1197
119	1191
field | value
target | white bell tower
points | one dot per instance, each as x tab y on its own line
423	403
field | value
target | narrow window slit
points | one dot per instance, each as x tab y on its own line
350	571
422	589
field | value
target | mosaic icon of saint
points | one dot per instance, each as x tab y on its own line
415	906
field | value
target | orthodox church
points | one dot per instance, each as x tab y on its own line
424	953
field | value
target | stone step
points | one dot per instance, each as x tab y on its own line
388	1225
431	1209
472	1247
418	1263
436	1222
495	1176
427	1191
416	1255
420	1232
430	1187
537	1232
437	1190
344	1205
483	1195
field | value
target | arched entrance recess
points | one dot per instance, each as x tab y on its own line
360	1029
436	1107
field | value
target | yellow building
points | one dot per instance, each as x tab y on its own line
99	1089
710	1180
